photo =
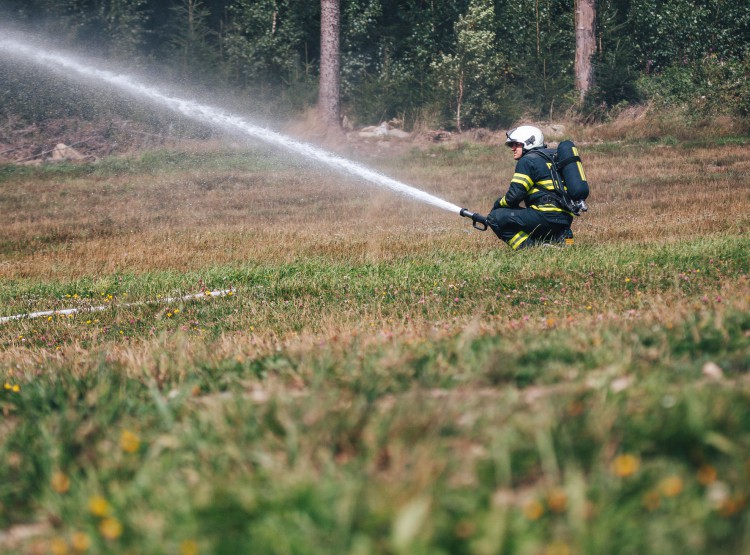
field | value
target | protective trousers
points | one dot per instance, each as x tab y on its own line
524	227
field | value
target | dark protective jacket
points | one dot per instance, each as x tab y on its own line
532	184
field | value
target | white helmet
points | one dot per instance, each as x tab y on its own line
528	135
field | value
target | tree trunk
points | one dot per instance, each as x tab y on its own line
585	45
330	78
459	100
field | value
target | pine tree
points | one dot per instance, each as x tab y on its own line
585	45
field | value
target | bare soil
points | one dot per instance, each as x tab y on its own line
35	144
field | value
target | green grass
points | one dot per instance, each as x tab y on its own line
391	443
434	395
397	447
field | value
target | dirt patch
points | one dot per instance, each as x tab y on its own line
76	140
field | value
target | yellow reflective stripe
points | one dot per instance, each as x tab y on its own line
549	208
580	166
523	178
503	202
518	239
521	183
544	188
547	184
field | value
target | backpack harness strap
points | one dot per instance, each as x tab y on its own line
567	161
558	191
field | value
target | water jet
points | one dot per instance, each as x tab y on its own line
214	117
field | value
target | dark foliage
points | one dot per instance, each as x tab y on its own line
394	53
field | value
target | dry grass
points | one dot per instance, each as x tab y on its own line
184	220
69	227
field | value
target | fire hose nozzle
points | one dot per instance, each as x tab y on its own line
478	221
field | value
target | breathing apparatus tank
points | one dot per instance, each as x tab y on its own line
569	164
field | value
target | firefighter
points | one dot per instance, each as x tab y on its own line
543	219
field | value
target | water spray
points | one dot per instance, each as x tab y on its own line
215	117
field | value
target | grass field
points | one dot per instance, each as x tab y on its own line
381	378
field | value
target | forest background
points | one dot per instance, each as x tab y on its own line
404	59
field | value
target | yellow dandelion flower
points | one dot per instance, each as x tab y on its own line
627	280
110	528
7	386
60	482
80	542
557	500
533	510
98	506
16	388
557	548
671	486
58	546
176	310
651	500
129	442
189	547
625	465
706	475
732	505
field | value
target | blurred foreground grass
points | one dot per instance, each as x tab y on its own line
381	396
